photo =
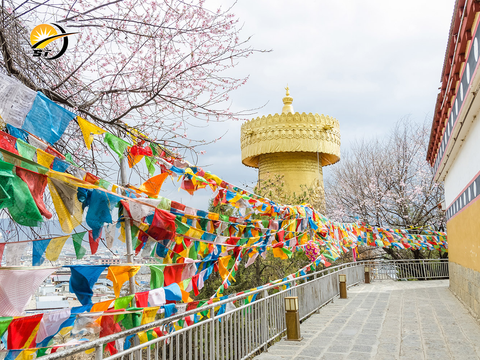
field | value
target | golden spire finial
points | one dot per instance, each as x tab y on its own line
287	103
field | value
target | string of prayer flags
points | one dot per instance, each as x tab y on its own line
82	280
46	119
17	286
88	130
119	275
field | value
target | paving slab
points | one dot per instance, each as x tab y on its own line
387	320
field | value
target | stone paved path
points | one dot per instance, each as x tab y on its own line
387	320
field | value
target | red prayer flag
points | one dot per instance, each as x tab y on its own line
2	249
195	284
138	150
90	178
109	327
36	184
54	152
20	330
172	274
163	225
178	206
94	242
141	299
8	142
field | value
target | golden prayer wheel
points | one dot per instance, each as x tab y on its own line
293	145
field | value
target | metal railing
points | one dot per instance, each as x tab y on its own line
247	327
421	269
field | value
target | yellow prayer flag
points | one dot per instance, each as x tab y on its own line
222	266
55	247
194	233
88	130
119	275
142	336
149	314
101	306
44	158
26	355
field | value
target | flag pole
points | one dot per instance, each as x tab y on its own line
128	233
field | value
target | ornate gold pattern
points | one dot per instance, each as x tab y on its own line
290	133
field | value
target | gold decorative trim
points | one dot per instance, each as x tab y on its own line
299	132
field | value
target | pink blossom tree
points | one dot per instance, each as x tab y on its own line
160	66
387	182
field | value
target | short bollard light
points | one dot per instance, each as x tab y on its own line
292	319
367	275
343	285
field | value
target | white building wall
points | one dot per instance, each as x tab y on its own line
465	166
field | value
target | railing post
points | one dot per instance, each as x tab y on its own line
212	333
265	320
424	270
99	352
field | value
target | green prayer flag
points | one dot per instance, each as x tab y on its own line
77	244
165	204
27	151
6	169
122	303
41	352
156	276
181	228
69	159
286	251
104	184
132	320
154	251
4	322
150	162
20	205
203	223
116	144
193	253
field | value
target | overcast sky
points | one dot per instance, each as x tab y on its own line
367	63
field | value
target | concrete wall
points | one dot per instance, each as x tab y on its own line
465	284
463	225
